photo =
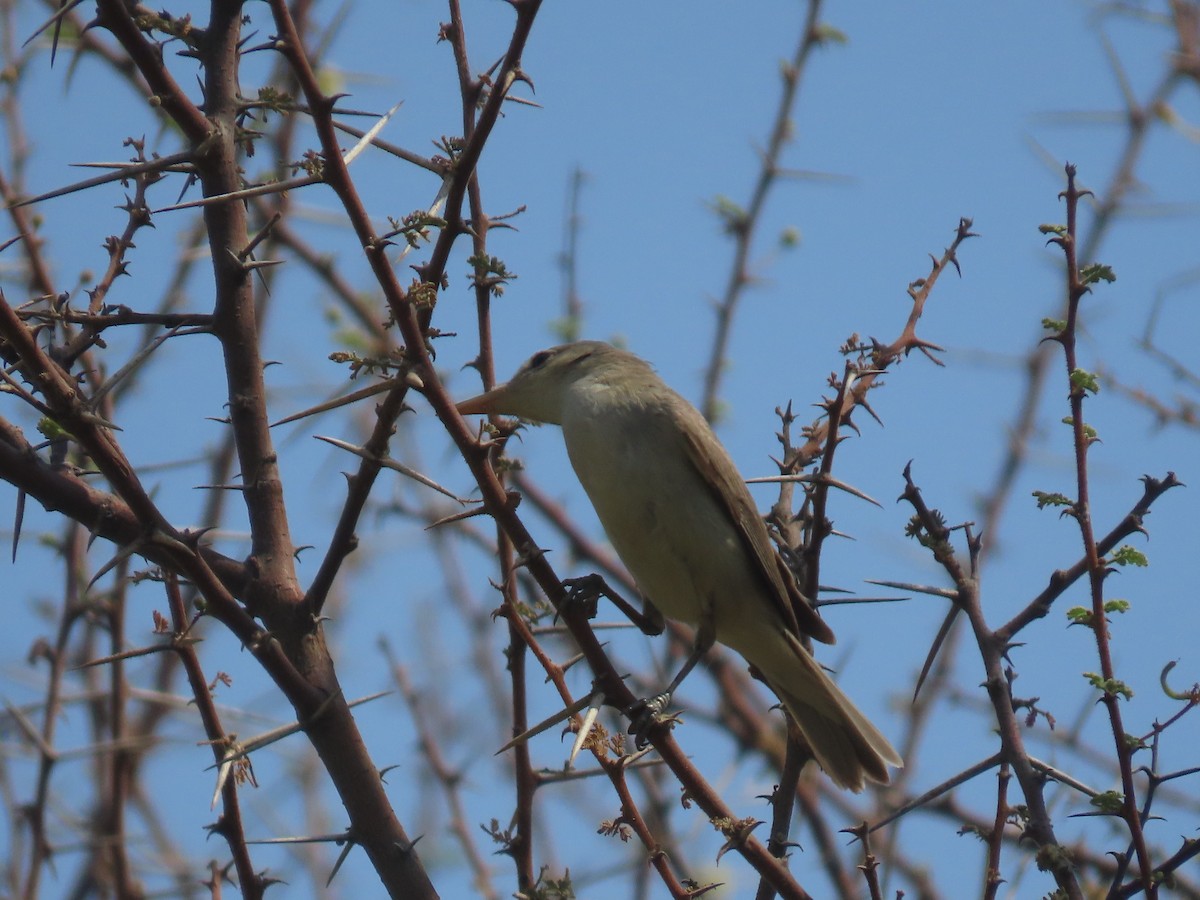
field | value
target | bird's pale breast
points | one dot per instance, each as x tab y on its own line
659	515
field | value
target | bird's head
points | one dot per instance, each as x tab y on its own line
539	388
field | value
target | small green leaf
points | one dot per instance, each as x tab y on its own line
1109	801
1126	555
1116	606
1133	742
1112	686
1053	229
1046	498
1097	272
490	272
51	430
1085	381
1054	324
1088	431
1080	616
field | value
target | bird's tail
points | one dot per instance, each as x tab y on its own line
848	747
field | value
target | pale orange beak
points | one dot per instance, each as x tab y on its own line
482	404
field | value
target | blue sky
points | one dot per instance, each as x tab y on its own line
926	113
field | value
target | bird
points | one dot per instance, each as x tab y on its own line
681	519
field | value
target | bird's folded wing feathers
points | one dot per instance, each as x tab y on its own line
727	488
809	619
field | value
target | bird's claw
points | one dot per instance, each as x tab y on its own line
646	714
585	592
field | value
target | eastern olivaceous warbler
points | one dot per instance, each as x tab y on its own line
682	520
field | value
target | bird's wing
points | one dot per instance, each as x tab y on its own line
718	474
810	620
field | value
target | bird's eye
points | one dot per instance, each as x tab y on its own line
539	359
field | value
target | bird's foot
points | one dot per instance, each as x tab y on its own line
585	593
647	714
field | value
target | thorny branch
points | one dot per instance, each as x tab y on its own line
56	373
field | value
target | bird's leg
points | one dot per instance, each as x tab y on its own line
588	589
648	711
